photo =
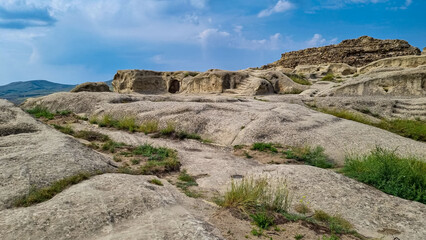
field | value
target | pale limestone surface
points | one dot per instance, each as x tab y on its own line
35	155
369	209
230	121
110	206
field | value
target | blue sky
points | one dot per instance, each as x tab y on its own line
74	41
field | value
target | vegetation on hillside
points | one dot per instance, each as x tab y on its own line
404	177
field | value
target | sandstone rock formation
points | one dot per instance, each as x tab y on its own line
91	87
355	52
110	206
406	82
35	155
394	64
145	81
247	82
316	71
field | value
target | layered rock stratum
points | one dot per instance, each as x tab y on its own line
355	52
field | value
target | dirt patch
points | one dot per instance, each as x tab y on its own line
236	228
266	157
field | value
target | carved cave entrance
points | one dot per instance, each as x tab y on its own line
174	86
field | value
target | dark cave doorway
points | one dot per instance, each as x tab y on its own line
174	86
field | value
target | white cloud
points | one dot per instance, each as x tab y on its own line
281	6
199	3
212	35
318	40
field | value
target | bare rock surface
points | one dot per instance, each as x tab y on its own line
35	155
91	87
338	69
395	62
230	121
355	52
110	206
406	82
384	107
371	211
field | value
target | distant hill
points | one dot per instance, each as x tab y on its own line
18	92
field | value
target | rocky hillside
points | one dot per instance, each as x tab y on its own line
355	52
327	151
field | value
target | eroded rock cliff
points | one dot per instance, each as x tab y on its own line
355	52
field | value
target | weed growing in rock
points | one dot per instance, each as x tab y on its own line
302	206
312	156
299	236
64	112
336	223
263	147
184	135
43	194
262	219
247	155
257	232
186	181
404	177
328	77
169	129
135	161
332	237
66	130
414	129
153	153
300	79
126	123
250	194
111	146
156	182
150	126
160	162
92	136
39	111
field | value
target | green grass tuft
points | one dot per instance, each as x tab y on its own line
169	129
336	223
299	236
43	194
262	219
263	147
300	79
404	177
184	135
153	153
111	146
63	112
250	194
156	182
66	130
92	136
414	129
312	156
126	123
328	77
39	111
150	126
